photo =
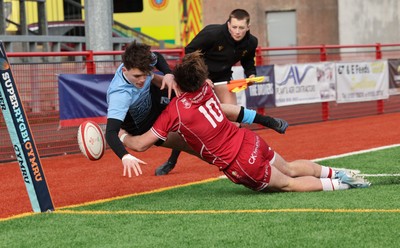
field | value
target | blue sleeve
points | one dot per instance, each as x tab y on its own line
118	105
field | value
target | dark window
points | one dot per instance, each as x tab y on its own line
72	10
127	6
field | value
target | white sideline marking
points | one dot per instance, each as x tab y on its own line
361	152
355	153
363	175
379	175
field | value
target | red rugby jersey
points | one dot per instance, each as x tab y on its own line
199	119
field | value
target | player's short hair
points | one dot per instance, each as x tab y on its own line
191	74
239	14
138	55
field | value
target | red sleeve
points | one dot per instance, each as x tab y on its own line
166	122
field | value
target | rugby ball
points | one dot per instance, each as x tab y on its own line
91	140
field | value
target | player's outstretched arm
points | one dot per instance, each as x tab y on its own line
129	162
137	143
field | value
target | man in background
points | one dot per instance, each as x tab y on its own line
222	46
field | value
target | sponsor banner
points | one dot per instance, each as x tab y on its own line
362	81
258	95
22	139
296	84
326	81
83	97
394	76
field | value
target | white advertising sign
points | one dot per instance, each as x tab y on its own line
296	84
362	81
326	81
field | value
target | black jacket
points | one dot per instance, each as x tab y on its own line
221	51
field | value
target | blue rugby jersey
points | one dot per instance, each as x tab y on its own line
122	96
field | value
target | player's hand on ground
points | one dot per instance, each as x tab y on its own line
131	163
169	82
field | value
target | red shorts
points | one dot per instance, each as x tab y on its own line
252	167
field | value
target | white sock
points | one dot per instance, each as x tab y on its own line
327	172
333	184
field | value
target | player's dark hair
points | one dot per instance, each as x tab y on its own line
138	56
191	74
239	14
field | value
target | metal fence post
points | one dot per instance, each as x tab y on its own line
378	55
324	105
90	64
259	61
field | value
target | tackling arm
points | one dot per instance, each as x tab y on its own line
162	64
157	80
139	143
231	111
168	80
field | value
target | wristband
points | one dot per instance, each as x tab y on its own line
123	137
